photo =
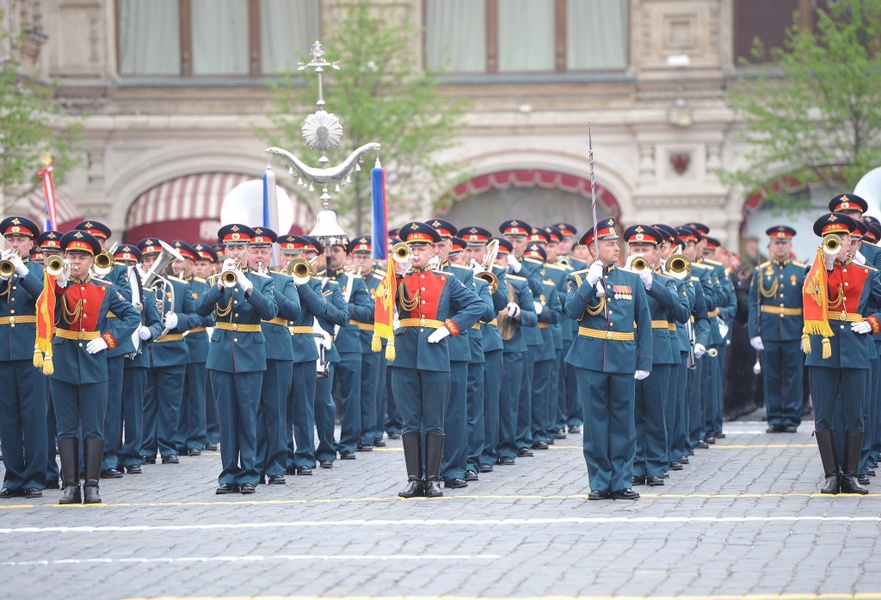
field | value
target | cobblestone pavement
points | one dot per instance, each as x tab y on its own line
743	519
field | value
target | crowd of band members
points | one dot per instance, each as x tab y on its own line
227	349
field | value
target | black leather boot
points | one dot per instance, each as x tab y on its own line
826	444
93	454
853	446
69	471
413	459
434	451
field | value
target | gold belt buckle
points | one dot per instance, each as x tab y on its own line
422	321
80	334
235	326
844	315
609	335
781	311
12	321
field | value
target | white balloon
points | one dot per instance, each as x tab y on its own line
244	205
869	189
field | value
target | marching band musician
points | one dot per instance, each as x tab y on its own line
613	350
197	345
272	410
239	299
568	399
79	382
168	359
23	424
775	329
836	294
300	424
432	305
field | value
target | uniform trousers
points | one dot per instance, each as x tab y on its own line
134	383
393	421
509	397
695	403
162	401
237	395
192	429
113	412
782	365
212	426
541	400
51	435
492	385
523	432
325	417
677	412
651	454
609	436
369	384
79	404
830	387
574	418
301	416
870	416
422	396
556	420
23	426
708	393
348	375
455	423
476	425
272	416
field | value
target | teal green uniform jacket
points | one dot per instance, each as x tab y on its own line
777	285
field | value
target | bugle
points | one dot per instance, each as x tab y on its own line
55	265
639	264
831	243
678	266
401	252
300	269
104	263
229	277
7	268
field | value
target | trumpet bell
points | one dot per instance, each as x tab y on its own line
54	265
229	279
401	252
831	244
7	269
678	266
104	263
490	279
639	264
300	269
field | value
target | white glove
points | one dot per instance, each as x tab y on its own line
829	261
646	276
95	346
20	268
538	308
144	332
64	276
595	272
601	290
438	334
513	310
756	343
228	265
861	327
699	350
171	320
640	375
244	282
477	268
513	263
402	267
434	262
859	259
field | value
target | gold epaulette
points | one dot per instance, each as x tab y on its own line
712	262
797	264
98	280
700	265
177	279
515	277
378	275
460	267
259	274
764	264
557	267
199	279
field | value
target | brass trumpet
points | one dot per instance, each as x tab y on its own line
678	266
639	264
489	257
7	268
401	252
300	269
229	278
831	244
55	265
104	263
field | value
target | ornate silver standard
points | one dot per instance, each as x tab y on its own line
323	131
593	191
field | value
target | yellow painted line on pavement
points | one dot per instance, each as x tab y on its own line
513	497
827	596
715	446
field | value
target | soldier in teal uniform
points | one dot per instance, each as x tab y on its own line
775	329
519	311
666	306
23	424
568	400
837	293
237	356
168	359
612	352
79	381
454	462
197	348
432	306
302	396
557	272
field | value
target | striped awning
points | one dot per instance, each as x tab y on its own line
188	208
33	206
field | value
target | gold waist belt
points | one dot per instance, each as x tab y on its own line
196	330
244	327
170	337
18	320
661	324
852	318
542	325
781	311
671	326
111	314
621	336
362	326
421	323
67	334
475	326
276	321
301	329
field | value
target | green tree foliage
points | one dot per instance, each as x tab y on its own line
815	114
379	96
32	123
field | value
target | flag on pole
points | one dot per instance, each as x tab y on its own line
49	190
45	326
270	209
384	312
380	214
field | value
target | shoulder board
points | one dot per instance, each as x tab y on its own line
515	277
263	275
327	293
712	262
97	280
377	276
461	267
332	282
693	278
199	279
177	279
797	264
580	272
765	264
557	267
870	267
549	282
700	266
212	279
439	272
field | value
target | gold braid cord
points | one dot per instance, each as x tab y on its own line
408	304
767	293
70	316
